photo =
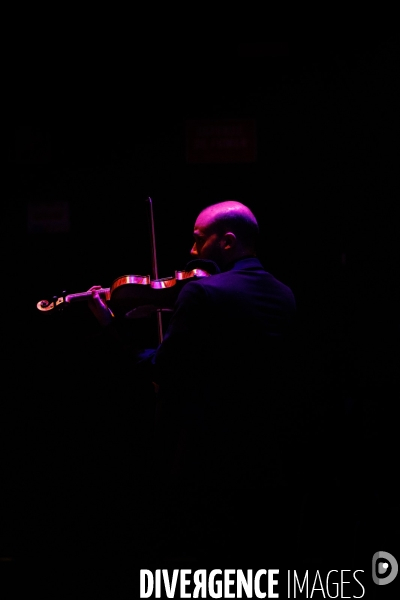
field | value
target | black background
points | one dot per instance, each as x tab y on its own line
111	130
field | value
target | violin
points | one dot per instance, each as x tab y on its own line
136	296
130	292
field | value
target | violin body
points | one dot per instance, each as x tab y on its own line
131	291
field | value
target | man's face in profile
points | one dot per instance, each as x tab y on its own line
208	244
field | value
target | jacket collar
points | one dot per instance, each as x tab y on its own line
247	262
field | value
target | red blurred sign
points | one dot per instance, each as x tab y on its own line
221	141
48	217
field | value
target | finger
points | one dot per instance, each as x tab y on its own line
96	294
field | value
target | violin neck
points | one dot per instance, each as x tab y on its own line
104	292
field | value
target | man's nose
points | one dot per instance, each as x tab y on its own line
193	251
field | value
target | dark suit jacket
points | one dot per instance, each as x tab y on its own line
223	370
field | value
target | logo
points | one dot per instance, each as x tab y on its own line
384	563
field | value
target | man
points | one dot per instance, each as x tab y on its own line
224	423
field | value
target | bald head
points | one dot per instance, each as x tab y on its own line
225	232
234	215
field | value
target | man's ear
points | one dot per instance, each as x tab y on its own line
229	240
